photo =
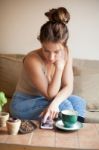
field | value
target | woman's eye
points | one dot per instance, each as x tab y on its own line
46	51
56	52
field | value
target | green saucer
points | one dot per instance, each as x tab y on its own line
59	124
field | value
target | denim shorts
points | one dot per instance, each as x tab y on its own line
25	106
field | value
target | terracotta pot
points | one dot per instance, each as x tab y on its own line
4	116
13	126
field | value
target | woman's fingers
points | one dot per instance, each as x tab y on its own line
56	116
53	115
45	117
50	115
43	113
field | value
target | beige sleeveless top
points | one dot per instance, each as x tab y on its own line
25	85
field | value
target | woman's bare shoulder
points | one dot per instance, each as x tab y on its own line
33	56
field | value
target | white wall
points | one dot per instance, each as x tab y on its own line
20	22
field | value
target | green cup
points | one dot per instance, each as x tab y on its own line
69	118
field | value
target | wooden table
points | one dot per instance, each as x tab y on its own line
40	139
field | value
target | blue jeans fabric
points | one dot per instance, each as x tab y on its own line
25	106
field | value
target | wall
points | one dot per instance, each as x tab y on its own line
20	21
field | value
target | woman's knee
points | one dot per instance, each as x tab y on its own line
65	105
77	99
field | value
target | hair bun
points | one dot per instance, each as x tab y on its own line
58	15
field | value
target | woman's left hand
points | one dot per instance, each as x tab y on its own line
60	59
51	112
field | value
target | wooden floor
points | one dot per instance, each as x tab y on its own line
40	139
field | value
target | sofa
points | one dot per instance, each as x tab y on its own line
86	81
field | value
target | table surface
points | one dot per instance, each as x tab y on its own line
85	138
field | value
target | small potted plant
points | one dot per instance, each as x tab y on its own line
13	125
4	116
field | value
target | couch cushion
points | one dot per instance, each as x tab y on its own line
92	117
10	68
87	86
83	66
93	107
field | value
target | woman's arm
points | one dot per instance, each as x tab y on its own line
55	84
60	72
67	83
35	71
64	93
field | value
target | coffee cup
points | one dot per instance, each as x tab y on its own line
69	118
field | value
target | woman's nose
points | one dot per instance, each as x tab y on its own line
52	56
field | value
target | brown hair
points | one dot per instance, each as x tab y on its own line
55	30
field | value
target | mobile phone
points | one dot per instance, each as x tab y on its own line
47	125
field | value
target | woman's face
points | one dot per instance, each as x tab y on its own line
51	51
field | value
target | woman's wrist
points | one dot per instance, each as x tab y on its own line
59	67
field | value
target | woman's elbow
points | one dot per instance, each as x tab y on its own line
51	95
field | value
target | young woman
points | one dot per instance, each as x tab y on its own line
46	83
